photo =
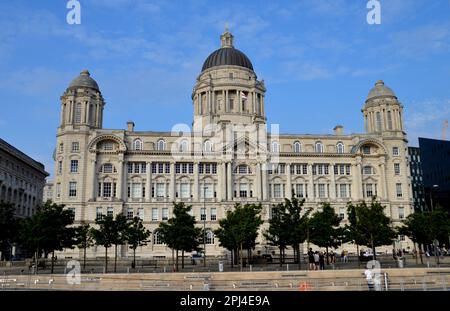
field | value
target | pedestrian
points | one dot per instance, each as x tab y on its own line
311	259
342	256
321	261
316	260
345	255
369	277
332	257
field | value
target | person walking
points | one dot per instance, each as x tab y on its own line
316	260
311	259
369	278
345	255
321	261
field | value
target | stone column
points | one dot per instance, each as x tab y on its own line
221	180
121	180
333	182
265	184
148	184
383	187
310	183
258	182
172	181
288	192
93	169
195	187
229	182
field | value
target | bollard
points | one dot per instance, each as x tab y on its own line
386	281
287	267
251	268
128	270
164	269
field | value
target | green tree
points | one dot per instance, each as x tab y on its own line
324	228
136	235
278	233
375	226
104	235
48	230
84	239
8	228
225	235
243	224
180	233
120	228
352	232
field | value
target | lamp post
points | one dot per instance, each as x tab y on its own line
204	226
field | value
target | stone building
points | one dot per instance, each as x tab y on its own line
22	180
227	156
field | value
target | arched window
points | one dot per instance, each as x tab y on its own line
209	237
275	146
318	147
297	147
78	113
184	146
161	145
207	146
340	147
157	238
137	144
242	169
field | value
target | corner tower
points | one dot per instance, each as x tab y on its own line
383	113
227	89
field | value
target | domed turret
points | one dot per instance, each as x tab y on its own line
227	55
380	90
84	80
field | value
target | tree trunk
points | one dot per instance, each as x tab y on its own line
134	258
36	260
281	257
232	258
328	261
115	257
176	265
84	259
182	259
106	260
240	255
357	253
415	251
420	252
299	257
173	259
373	248
53	261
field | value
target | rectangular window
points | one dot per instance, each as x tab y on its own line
203	213
207	191
61	147
72	210
130	213
130	168
401	213
98	213
60	167
243	189
398	188
369	190
58	190
110	212
165	213
366	150
167	168
177	168
397	168
299	191
153	168
160	190
184	190
277	190
108	146
389	117
73	166
136	190
378	116
154	214
107	190
75	146
343	191
213	214
395	151
321	190
72	189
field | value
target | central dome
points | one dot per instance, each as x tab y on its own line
227	55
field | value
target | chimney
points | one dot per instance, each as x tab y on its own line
130	126
338	130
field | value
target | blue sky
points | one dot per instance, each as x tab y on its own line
319	60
